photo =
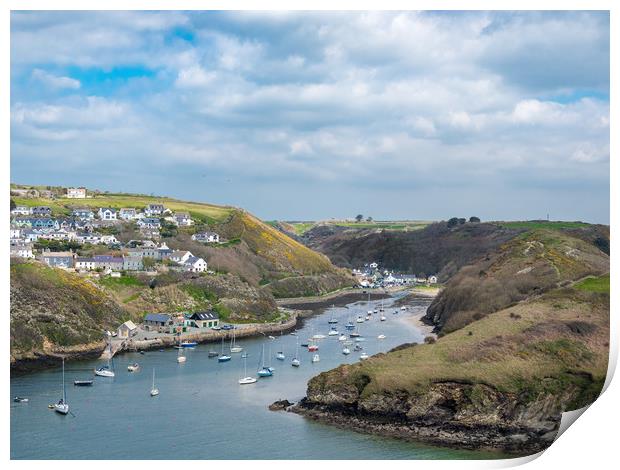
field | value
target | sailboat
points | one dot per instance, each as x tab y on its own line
295	362
342	338
333	332
349	325
246	380
280	356
105	371
154	391
346	351
316	358
382	318
360	319
62	406
233	345
223	357
381	337
181	358
264	371
364	356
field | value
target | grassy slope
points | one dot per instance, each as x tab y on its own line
54	307
299	228
536	346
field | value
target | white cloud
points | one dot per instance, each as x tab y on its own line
54	81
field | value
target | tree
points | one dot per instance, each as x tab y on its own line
462	221
359	217
474	219
453	222
369	219
148	262
13	205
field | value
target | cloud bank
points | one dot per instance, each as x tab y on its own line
314	115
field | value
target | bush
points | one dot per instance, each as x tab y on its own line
430	340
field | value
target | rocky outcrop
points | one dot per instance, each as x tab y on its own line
473	416
280	405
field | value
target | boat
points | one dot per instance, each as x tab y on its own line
355	334
223	357
105	371
346	351
381	337
62	406
189	344
364	356
382	318
280	356
83	383
20	400
369	312
318	336
244	355
233	345
381	308
304	345
350	325
213	354
295	362
154	390
293	333
395	312
403	308
360	319
247	379
316	358
313	347
332	321
180	357
133	367
359	340
368	317
342	338
333	333
357	348
264	371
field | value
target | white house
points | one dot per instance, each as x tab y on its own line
182	219
128	213
154	209
149	222
16	232
85	264
89	237
76	193
127	329
23	250
432	279
195	264
21	210
206	237
107	213
180	256
108	239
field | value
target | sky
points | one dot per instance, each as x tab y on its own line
318	115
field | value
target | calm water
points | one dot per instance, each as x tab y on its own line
202	412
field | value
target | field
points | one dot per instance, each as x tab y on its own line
398	225
542	224
595	284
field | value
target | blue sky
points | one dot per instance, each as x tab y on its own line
396	115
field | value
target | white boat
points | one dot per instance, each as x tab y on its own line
382	318
364	356
403	308
316	358
295	362
359	319
133	367
280	356
247	379
154	391
333	333
318	336
381	337
346	351
105	371
62	406
233	346
181	357
342	338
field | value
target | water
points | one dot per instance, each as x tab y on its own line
202	412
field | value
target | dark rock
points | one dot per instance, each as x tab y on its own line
280	405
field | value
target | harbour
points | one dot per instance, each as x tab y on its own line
202	411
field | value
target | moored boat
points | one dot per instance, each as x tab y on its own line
133	367
62	406
83	383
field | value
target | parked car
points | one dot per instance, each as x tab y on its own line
217	328
228	327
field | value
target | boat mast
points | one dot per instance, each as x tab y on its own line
64	390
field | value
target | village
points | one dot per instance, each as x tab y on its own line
34	232
371	276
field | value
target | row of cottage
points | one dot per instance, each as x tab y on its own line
171	323
132	259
